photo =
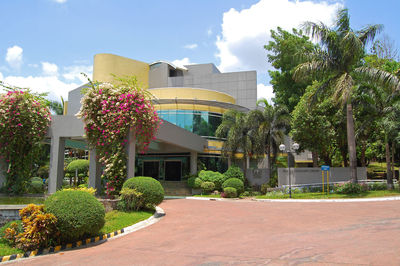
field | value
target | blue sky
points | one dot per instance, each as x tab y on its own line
45	44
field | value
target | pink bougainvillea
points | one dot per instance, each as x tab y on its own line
111	113
24	120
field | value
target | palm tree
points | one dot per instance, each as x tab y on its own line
268	127
234	128
338	60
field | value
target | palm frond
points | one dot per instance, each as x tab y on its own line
343	20
380	78
368	33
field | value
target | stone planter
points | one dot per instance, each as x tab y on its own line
109	204
196	191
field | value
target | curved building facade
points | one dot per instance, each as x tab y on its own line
193	98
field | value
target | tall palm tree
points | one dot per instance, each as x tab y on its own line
339	60
234	128
268	127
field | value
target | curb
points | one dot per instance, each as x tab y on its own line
298	200
86	242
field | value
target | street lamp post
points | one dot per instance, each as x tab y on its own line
295	147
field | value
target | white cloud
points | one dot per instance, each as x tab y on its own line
190	46
1	77
182	62
60	1
244	33
50	84
33	65
49	69
264	91
73	73
14	56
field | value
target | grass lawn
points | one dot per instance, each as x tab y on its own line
20	200
115	220
320	195
207	196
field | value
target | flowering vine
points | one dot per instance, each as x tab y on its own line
24	120
110	113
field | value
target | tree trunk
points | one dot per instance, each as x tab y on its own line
314	158
393	151
363	148
269	161
351	142
389	176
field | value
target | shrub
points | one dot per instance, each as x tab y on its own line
39	229
377	186
78	213
131	199
234	172
153	192
235	183
36	178
197	182
194	182
350	188
246	194
36	187
265	188
89	190
81	165
190	181
230	192
211	176
207	187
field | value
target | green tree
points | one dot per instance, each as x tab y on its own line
267	129
339	62
285	53
235	129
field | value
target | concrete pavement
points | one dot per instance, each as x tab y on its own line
252	233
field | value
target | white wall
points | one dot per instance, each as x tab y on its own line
303	176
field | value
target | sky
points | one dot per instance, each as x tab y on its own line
46	44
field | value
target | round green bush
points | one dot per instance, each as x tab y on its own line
79	214
207	187
198	182
36	187
230	192
36	178
153	192
81	165
235	183
194	182
211	176
234	172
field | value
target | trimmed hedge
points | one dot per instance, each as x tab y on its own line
153	192
207	187
234	172
235	183
230	192
214	177
81	165
194	182
79	214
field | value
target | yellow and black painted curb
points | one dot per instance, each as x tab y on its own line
56	249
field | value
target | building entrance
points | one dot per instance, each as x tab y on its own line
151	168
173	170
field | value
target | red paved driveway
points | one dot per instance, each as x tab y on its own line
253	233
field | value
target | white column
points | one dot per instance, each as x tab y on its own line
56	175
3	170
94	171
193	163
131	154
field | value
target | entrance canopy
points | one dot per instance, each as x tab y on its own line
66	129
